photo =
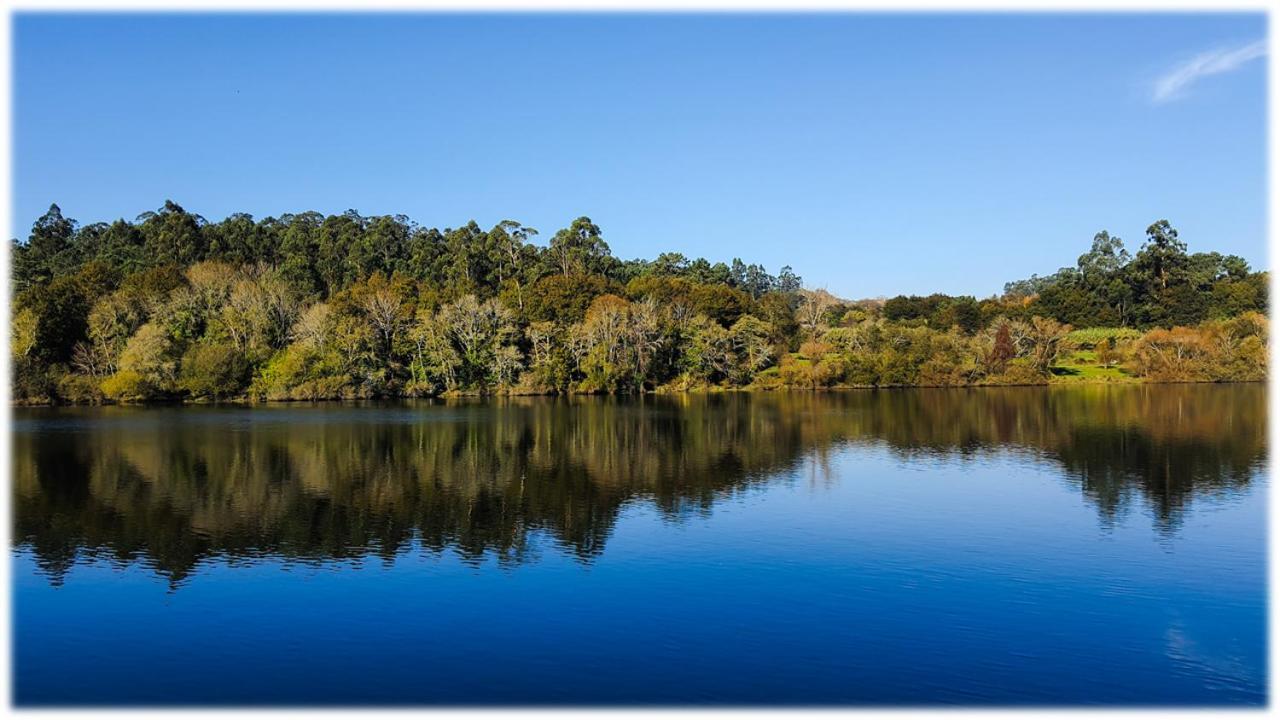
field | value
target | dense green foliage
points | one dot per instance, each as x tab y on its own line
1161	286
309	306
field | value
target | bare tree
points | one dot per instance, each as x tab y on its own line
813	307
1046	335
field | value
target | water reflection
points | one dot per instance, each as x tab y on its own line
177	485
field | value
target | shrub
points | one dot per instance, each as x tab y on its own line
1171	355
78	388
147	364
1018	372
211	370
127	385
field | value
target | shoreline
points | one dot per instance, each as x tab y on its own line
453	395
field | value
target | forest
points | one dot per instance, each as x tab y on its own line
172	307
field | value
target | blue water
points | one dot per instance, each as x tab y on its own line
854	568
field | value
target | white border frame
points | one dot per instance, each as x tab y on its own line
662	6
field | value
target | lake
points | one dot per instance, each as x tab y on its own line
1011	546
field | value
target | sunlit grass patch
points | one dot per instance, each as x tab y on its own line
1082	365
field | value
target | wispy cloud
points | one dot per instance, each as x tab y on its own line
1173	84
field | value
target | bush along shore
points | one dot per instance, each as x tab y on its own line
170	307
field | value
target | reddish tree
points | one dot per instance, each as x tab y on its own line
1002	351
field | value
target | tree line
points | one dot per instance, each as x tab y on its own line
310	306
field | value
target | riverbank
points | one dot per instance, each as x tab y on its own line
1056	381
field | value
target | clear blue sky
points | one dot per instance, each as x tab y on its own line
876	154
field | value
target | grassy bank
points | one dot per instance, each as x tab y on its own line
1066	376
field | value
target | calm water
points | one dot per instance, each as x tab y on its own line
1002	546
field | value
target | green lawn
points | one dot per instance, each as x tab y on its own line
1082	365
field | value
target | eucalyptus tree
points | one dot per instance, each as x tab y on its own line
465	262
337	234
50	238
299	251
578	249
173	236
1105	258
513	256
1163	257
382	246
237	239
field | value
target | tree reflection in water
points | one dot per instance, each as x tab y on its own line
174	486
